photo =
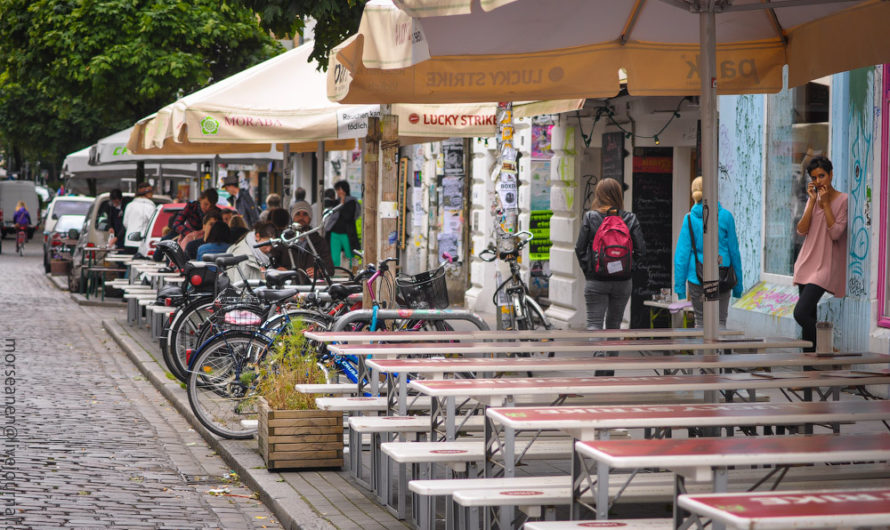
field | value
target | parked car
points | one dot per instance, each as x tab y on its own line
94	233
65	205
11	192
58	244
148	239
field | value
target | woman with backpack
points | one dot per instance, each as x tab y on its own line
690	253
609	241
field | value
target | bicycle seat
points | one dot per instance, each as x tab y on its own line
340	291
270	296
275	278
227	260
210	258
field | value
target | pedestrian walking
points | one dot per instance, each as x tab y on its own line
113	211
340	225
242	201
138	214
607	267
689	256
822	262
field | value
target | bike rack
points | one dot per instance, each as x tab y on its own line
366	315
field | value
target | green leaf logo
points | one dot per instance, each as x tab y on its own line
209	126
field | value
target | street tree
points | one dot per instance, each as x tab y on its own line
335	20
72	72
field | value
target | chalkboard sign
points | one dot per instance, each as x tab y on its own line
652	194
613	156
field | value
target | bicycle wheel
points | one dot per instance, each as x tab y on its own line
535	317
312	321
183	335
221	386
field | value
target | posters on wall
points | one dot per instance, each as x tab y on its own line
452	192
453	153
507	190
541	135
540	185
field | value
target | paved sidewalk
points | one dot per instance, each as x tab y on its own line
304	500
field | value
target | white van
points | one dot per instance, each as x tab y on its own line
11	192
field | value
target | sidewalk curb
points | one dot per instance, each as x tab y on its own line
285	502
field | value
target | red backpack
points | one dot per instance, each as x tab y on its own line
612	249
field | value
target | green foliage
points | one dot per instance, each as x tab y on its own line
335	20
72	72
291	361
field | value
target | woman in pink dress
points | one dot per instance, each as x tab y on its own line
822	263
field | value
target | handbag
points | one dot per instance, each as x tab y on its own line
725	275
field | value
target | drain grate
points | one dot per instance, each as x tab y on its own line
192	480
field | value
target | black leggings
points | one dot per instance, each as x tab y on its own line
805	312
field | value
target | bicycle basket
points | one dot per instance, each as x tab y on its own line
426	290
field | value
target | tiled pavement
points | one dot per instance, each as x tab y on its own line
87	441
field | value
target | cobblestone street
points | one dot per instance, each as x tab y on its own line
87	441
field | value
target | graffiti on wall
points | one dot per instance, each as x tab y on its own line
566	167
741	174
771	299
861	127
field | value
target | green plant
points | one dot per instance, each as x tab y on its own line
291	361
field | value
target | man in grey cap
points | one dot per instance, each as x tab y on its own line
241	200
301	257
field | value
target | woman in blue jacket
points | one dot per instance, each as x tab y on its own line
684	261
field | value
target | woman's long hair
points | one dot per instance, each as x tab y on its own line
608	195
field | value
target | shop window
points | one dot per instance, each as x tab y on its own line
797	129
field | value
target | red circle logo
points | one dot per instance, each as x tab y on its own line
522	493
413	118
448	451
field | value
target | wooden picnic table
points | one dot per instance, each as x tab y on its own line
397	371
772	510
707	459
500	335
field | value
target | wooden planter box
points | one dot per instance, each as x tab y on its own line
299	439
59	267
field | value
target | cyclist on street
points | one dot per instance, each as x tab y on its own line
21	218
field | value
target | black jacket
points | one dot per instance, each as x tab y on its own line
592	221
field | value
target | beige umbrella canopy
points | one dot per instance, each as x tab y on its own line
479	50
284	101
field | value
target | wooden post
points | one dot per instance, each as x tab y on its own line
388	209
369	203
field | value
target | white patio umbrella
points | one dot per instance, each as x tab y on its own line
284	101
113	150
475	50
77	165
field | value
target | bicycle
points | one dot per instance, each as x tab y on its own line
521	310
21	235
223	374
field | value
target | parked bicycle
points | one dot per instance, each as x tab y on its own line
520	311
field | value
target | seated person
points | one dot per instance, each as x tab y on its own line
254	268
237	228
216	241
300	257
194	240
280	218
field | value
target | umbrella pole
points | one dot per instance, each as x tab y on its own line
708	105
